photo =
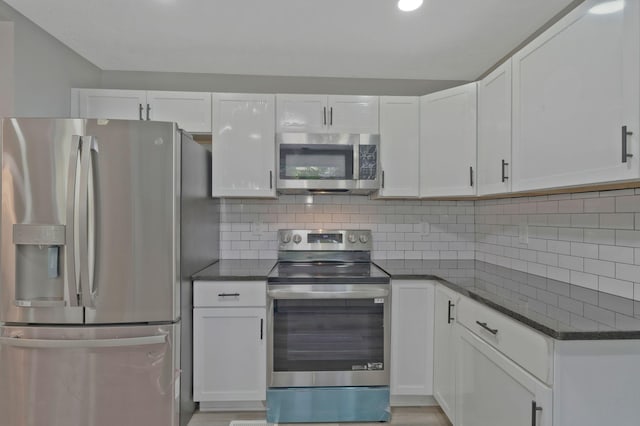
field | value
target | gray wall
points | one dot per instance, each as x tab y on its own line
44	69
269	84
6	69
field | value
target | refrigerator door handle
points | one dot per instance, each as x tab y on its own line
78	344
70	237
87	221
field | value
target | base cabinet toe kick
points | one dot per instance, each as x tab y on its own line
496	371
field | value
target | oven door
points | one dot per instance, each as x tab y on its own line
328	335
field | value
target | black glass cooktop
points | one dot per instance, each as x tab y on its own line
327	272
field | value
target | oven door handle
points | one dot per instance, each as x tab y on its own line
318	294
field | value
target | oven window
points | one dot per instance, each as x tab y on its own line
316	161
328	335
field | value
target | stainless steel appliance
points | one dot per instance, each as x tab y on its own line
328	329
103	222
327	163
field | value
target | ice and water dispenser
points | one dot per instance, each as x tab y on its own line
39	277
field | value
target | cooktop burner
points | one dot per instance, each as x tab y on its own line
326	257
327	272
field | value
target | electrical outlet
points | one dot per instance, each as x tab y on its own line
258	229
523	233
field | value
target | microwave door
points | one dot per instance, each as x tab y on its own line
39	275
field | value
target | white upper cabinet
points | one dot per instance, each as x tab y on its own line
400	146
243	145
494	131
448	142
327	114
113	104
353	114
575	91
191	110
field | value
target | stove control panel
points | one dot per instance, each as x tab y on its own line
325	240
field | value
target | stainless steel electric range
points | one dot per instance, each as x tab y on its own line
328	329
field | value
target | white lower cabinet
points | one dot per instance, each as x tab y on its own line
494	391
444	365
229	343
412	338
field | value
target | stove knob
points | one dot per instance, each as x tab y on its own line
297	238
364	239
286	238
352	238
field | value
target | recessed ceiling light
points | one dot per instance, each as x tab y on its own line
607	7
409	5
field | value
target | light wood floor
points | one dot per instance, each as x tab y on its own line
405	416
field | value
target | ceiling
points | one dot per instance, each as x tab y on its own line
444	39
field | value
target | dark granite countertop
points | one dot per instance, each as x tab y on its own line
558	309
236	270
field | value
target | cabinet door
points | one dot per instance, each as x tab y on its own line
494	131
448	142
191	110
229	354
243	145
113	104
574	88
412	338
353	114
444	354
491	390
399	146
302	113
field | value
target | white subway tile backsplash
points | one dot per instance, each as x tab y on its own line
616	254
617	220
627	272
582	279
616	287
584	250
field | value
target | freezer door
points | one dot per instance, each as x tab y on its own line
39	274
129	254
106	376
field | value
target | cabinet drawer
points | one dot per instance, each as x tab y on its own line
523	345
229	293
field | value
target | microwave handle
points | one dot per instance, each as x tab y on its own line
356	162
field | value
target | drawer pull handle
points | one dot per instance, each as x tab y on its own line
484	325
449	318
534	412
229	295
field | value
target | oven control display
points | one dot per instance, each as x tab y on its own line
324	238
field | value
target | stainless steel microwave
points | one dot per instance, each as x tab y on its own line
327	163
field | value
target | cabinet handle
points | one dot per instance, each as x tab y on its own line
270	179
140	108
504	173
324	115
331	116
625	153
228	294
471	175
484	325
449	319
148	110
261	328
383	179
534	412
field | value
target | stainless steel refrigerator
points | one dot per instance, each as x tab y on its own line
103	223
